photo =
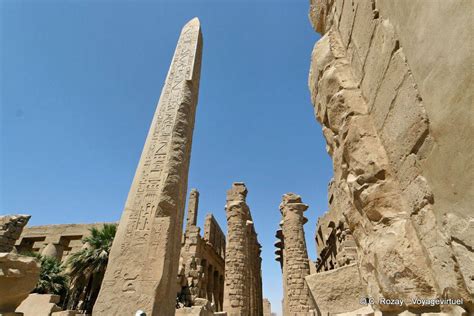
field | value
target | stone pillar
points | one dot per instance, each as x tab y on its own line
193	204
144	259
242	261
298	298
236	291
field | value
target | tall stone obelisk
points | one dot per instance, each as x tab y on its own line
143	265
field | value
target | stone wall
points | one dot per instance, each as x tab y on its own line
243	279
201	272
57	241
389	85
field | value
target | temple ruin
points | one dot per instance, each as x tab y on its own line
201	271
390	83
391	231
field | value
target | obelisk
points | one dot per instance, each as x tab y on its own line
143	265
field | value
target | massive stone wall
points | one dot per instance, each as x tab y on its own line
243	279
388	111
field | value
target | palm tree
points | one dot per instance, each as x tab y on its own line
86	267
52	278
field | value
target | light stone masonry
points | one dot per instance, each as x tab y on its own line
398	166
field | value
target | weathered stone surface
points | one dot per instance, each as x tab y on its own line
202	308
65	313
39	305
143	264
11	227
18	277
267	307
385	181
243	279
337	291
383	45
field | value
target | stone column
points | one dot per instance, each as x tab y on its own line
236	290
144	259
280	257
298	298
193	204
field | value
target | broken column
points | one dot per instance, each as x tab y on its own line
144	259
242	291
192	208
298	298
11	227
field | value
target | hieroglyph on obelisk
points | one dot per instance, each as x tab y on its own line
142	269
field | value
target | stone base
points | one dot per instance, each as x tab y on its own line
39	304
337	291
193	311
66	313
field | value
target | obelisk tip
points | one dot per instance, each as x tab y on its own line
193	22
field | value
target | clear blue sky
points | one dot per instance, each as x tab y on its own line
79	84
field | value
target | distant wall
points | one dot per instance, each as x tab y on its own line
59	241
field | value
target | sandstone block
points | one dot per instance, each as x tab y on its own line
347	21
391	82
337	291
39	305
383	45
18	277
406	124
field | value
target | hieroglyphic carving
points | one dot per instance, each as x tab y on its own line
145	252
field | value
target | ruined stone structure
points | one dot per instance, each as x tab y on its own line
58	241
243	279
10	230
201	273
293	257
389	85
267	307
145	252
18	274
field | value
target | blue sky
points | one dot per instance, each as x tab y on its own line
79	84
